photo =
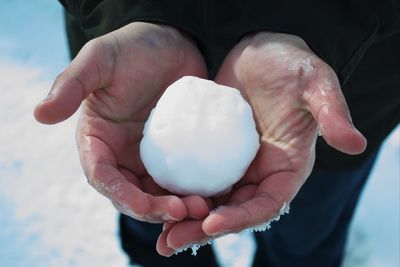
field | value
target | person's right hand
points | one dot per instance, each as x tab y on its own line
119	77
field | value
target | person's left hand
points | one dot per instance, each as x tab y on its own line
294	96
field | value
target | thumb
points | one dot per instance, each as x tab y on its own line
329	108
86	73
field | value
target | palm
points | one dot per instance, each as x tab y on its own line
286	155
294	94
121	76
273	84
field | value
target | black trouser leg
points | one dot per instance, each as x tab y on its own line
138	240
315	231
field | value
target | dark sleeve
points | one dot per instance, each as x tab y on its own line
339	31
389	14
98	17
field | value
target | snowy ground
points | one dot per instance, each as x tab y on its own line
49	216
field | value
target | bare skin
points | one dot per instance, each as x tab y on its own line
121	75
294	96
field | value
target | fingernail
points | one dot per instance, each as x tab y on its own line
169	217
195	217
166	218
167	226
51	93
353	127
49	96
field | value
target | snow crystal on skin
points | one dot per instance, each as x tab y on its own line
325	86
320	129
112	187
195	247
304	63
328	85
218	209
267	225
259	228
264	226
325	108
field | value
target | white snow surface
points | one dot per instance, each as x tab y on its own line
200	138
55	217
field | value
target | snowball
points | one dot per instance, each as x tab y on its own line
199	139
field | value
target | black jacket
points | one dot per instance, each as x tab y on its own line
359	39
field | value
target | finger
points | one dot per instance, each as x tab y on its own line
90	70
100	168
196	206
143	207
167	226
162	246
328	106
186	233
266	204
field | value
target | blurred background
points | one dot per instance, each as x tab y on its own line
49	215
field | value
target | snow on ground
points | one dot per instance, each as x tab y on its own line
375	233
50	208
50	216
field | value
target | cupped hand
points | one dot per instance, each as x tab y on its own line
295	97
119	77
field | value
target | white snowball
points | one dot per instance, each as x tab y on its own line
199	139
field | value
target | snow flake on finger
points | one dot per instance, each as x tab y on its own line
267	225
